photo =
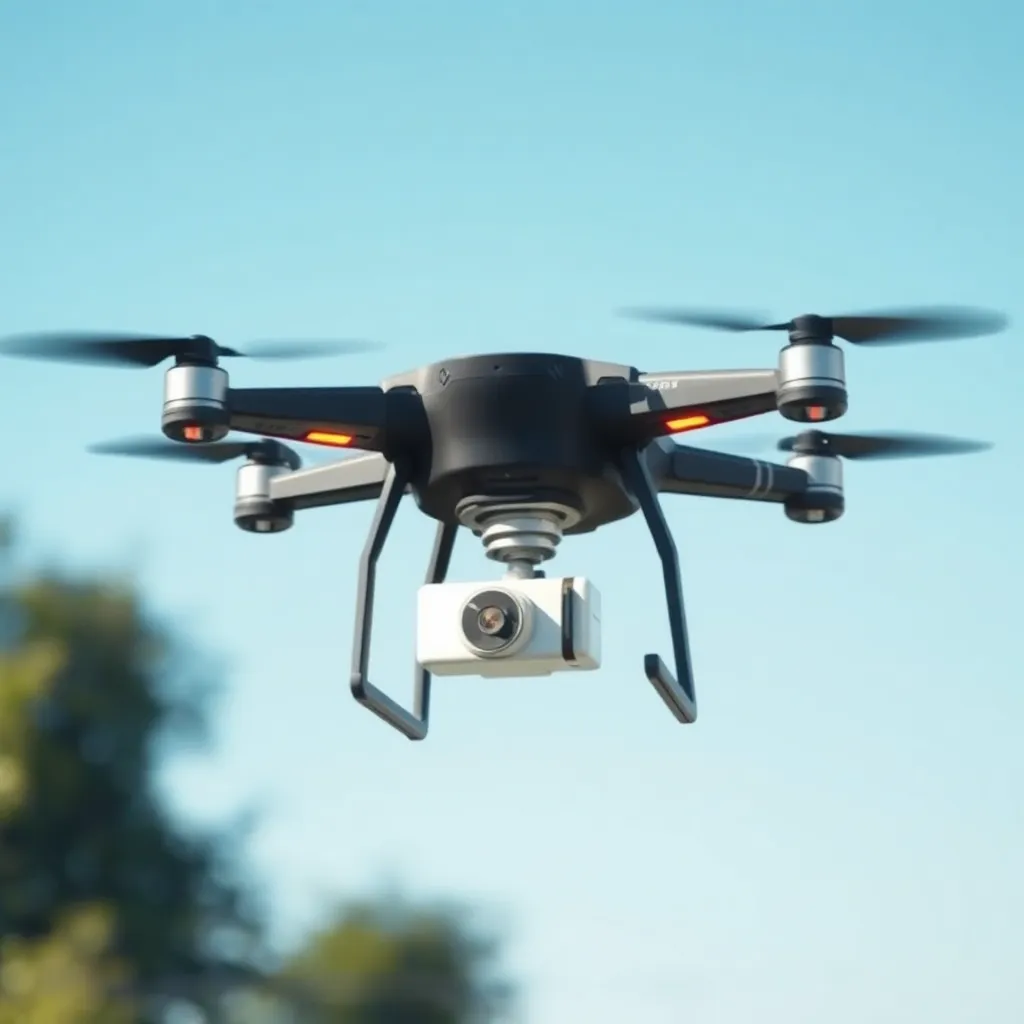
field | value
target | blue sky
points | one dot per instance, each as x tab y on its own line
841	832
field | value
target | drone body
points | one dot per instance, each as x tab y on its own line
521	449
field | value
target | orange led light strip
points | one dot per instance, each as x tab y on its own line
687	423
326	437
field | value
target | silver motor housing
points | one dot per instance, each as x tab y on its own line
195	403
823	501
255	510
812	382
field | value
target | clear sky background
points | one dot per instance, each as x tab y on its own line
840	835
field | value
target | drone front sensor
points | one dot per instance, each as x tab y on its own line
522	450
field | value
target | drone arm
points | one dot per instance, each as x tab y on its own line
677	469
664	403
678	691
360	478
412	724
359	414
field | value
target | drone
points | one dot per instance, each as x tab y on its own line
522	449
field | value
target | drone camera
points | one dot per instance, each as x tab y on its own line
822	501
195	403
255	510
518	627
812	382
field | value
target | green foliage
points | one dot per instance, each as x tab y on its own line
89	689
107	906
384	962
71	976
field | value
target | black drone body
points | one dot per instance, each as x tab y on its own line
522	449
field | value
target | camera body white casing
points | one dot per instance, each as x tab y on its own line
558	627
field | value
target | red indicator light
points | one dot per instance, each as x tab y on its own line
816	413
687	423
326	437
192	433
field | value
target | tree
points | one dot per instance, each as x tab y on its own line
71	975
386	961
98	885
108	908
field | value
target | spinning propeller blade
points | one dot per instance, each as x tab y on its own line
718	320
214	452
877	445
159	448
896	326
861	446
149	350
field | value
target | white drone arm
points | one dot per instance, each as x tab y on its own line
358	478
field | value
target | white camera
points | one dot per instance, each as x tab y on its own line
513	627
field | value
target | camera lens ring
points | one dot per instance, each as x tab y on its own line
492	621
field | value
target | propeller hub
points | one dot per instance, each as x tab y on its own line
199	350
810	329
269	452
813	442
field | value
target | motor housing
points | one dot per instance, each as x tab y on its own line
195	403
255	510
812	381
823	500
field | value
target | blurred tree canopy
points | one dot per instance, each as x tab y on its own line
385	961
98	885
109	909
71	975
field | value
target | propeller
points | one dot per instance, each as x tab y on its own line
880	445
869	445
895	326
149	350
214	452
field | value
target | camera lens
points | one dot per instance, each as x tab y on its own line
491	622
